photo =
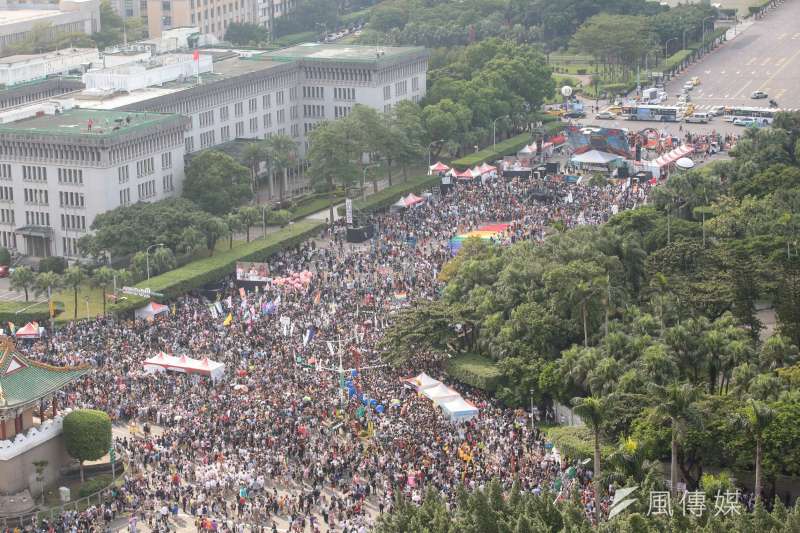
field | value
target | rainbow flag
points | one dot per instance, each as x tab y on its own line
458	241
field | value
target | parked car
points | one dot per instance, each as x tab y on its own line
698	118
605	115
4	271
744	122
717	110
758	95
695	80
688	86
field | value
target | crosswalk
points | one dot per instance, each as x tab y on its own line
708	107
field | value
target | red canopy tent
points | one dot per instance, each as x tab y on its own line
28	331
412	199
439	167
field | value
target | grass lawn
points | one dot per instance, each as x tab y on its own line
474	370
86	294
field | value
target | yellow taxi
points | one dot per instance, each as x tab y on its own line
695	80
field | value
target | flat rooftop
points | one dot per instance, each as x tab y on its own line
340	52
76	122
15	16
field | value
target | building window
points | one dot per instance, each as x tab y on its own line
169	186
266	101
238	109
252	105
295	130
7	194
223	113
280	116
239	129
34	173
70	176
35	196
189	142
71	199
268	120
207	139
253	124
415	83
279	98
123	174
387	92
145	167
225	133
206	119
5	171
166	160
125	197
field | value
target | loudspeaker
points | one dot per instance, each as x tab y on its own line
360	234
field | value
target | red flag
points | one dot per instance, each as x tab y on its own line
196	55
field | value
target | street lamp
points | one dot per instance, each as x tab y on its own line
364	180
532	415
429	150
147	257
494	130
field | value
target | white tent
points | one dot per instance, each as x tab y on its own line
423	381
204	367
459	409
441	393
150	311
595	157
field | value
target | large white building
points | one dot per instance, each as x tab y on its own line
19	20
236	95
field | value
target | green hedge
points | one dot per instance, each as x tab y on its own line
474	370
507	147
94	485
200	273
313	204
576	442
296	38
10	312
676	59
386	197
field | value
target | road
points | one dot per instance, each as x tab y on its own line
765	57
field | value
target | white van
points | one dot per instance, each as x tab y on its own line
699	118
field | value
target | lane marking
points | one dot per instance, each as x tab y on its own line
752	60
766	61
707	72
780	93
782	36
753	73
746	84
783	66
780	61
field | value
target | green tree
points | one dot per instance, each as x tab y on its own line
87	435
216	183
212	230
22	279
248	215
101	279
73	278
234	223
331	155
191	240
592	411
5	256
242	34
253	155
755	419
282	154
675	404
47	283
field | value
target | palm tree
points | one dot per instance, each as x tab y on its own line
101	279
254	154
234	222
248	215
757	416
675	403
46	283
593	411
282	153
74	278
22	279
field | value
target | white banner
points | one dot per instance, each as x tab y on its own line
348	209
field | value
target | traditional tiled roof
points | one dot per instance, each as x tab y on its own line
23	380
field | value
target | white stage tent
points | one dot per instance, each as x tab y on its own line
441	393
423	381
459	410
204	367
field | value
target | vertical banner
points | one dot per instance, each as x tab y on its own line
348	209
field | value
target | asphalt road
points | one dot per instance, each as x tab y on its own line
765	57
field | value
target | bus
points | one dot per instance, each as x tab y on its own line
760	115
658	113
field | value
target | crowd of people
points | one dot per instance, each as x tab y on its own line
279	444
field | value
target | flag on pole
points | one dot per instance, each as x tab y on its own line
196	55
228	320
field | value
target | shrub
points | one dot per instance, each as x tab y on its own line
87	435
474	370
96	484
53	264
280	217
12	312
5	256
575	442
204	271
581	71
